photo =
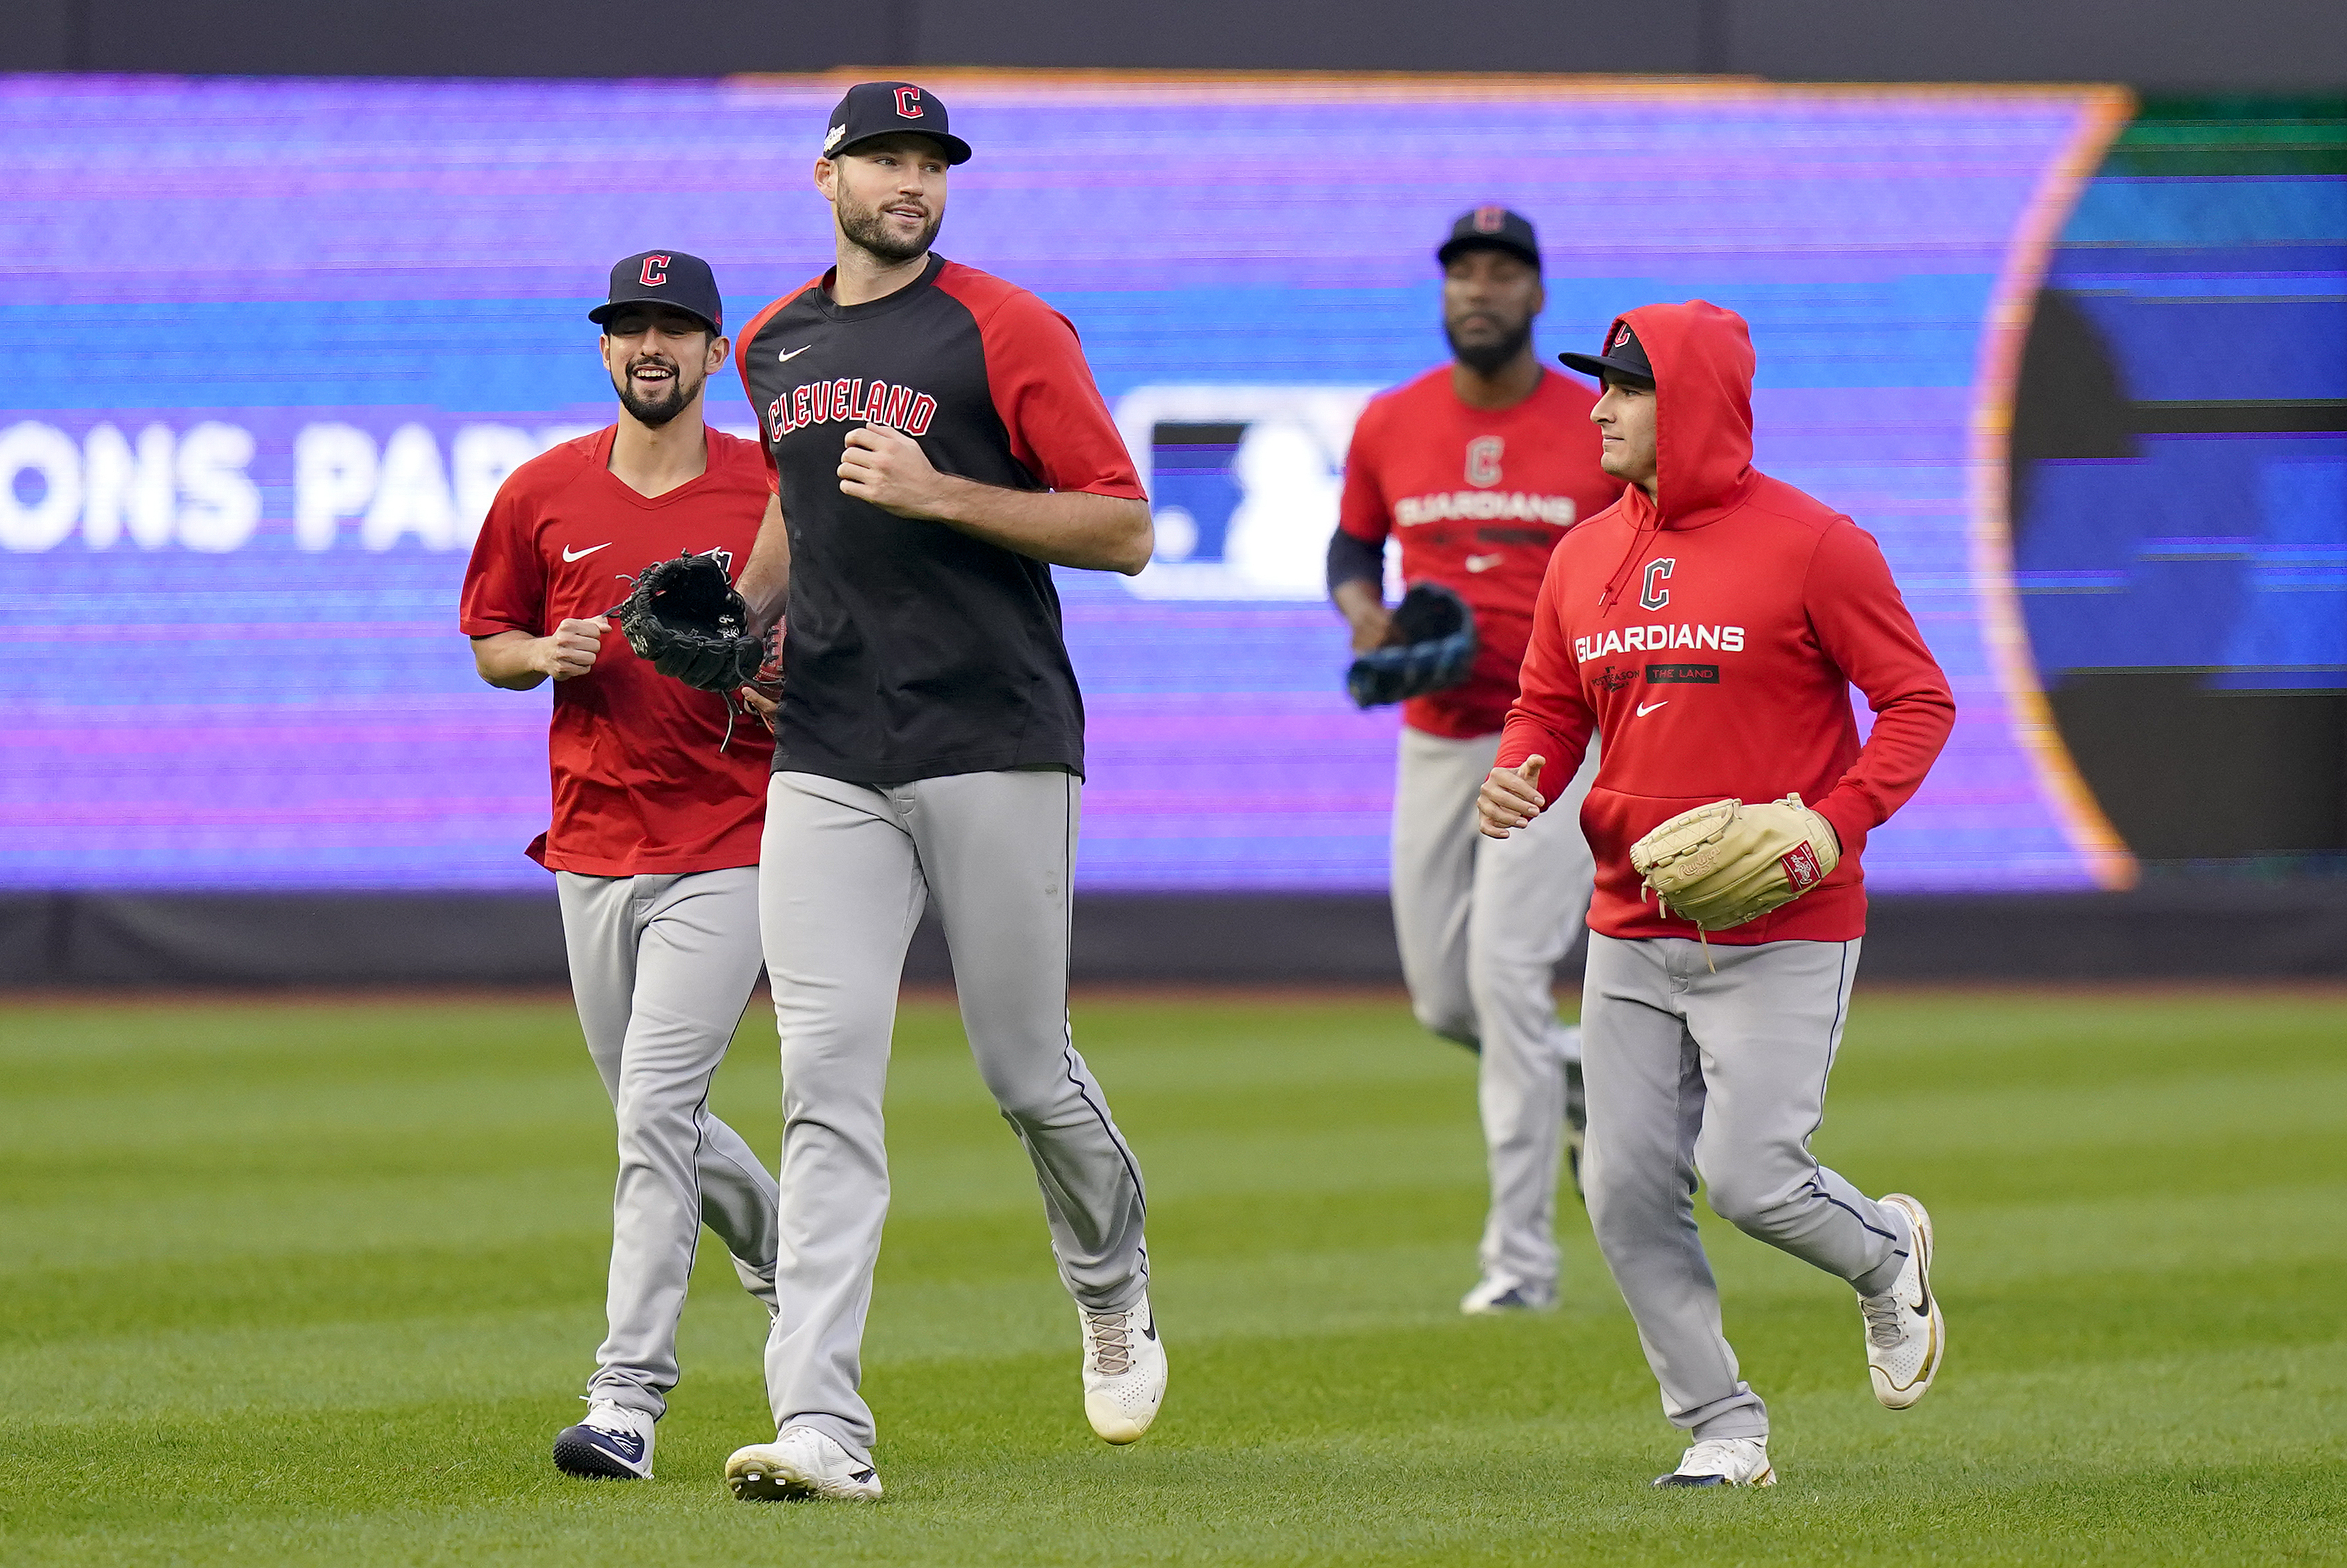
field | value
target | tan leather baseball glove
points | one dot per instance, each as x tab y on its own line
1724	863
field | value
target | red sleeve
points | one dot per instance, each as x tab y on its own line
1864	627
1363	512
741	346
1552	715
1060	429
505	583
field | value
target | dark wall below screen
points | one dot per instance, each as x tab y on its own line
2174	927
2252	44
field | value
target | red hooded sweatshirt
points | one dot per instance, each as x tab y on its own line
1710	641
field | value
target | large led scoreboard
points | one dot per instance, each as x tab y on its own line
273	346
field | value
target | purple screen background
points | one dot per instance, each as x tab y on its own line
276	339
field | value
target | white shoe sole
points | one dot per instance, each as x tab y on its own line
1697	1483
759	1474
1890	1395
1111	1424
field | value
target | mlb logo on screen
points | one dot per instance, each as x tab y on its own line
1243	484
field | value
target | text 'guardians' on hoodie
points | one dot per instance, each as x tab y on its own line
1710	641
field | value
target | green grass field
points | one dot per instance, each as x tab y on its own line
319	1282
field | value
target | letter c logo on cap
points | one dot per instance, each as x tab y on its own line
1489	220
908	103
655	271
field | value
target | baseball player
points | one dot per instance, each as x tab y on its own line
1481	466
658	806
1709	628
937	446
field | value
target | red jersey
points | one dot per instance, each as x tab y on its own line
645	780
1711	642
1479	496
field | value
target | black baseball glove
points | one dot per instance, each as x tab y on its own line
1432	647
685	621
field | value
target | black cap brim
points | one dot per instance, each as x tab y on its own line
1597	367
1451	249
956	150
609	308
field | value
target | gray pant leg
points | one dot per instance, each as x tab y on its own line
999	852
1723	1073
1768	1026
1434	874
841	896
1531	900
661	968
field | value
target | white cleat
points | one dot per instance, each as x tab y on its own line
614	1443
1125	1371
1723	1461
1495	1297
1905	1333
801	1464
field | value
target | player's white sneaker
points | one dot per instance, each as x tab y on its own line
1496	1298
614	1443
1905	1333
800	1464
1723	1461
1125	1371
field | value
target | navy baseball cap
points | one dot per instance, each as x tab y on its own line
885	108
1624	357
664	278
1491	228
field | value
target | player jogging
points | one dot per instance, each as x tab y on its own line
1481	466
937	446
1708	627
656	811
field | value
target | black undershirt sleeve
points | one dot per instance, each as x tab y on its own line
1350	558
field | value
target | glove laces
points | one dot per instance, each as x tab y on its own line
1646	886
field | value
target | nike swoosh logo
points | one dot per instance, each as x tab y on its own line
1150	1334
788	355
1646	708
569	554
626	1445
1483	563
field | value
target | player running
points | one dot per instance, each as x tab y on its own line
1709	628
1481	466
657	812
938	446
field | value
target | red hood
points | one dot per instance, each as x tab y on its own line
1702	357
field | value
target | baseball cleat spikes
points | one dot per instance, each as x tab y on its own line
1906	1334
614	1443
800	1464
1123	1371
1723	1461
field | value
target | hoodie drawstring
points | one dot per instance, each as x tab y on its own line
1631	558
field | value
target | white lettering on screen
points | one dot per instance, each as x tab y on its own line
194	488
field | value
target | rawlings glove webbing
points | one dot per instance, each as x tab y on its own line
685	618
1724	863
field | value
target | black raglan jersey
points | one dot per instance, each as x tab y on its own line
911	650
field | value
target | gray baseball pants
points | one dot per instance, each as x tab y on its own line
1483	923
994	852
1723	1076
661	968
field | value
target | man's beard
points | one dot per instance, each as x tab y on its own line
1484	358
867	228
651	412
